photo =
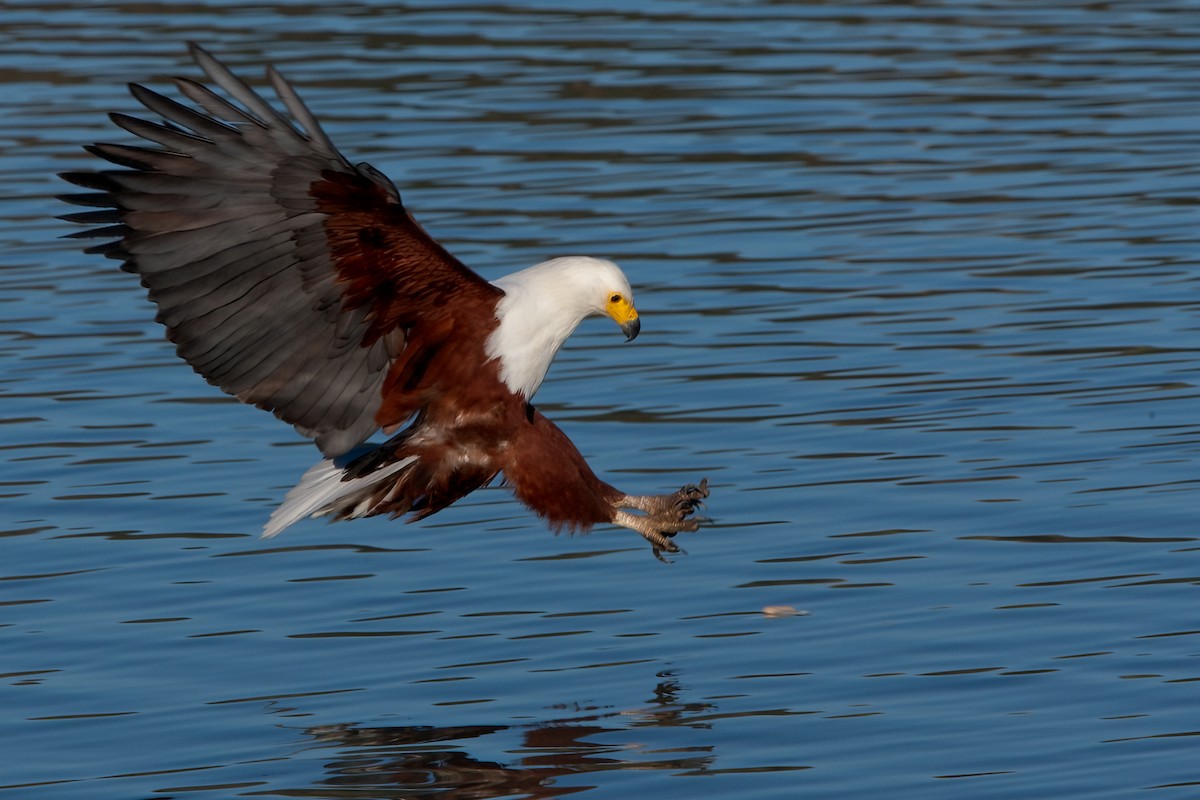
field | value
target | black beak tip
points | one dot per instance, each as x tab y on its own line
631	329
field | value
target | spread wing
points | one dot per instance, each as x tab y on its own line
284	274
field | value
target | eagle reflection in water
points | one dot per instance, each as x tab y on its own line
411	761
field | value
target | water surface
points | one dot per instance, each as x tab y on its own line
919	287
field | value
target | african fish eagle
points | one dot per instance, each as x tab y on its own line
297	281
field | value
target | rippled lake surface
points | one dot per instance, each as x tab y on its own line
921	297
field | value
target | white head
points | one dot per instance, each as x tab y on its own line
544	304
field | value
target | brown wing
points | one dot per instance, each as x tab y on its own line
285	275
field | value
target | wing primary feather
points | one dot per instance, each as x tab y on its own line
100	181
180	114
237	88
300	112
111	250
96	233
230	146
97	199
107	216
132	156
170	137
214	104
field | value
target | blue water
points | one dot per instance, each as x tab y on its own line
920	298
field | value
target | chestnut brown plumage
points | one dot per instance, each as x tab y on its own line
300	283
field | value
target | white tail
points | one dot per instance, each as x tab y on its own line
322	490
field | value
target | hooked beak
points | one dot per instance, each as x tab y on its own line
631	328
621	311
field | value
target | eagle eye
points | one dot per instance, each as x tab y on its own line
616	298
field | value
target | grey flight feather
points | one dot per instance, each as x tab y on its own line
218	221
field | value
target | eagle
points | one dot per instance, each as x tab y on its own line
299	282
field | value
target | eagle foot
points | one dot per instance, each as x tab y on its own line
678	505
665	515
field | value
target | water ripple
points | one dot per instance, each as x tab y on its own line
918	293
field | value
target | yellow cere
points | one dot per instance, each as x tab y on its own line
620	309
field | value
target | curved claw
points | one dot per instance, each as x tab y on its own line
693	492
689	498
658	552
661	544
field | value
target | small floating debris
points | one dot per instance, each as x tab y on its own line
782	611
